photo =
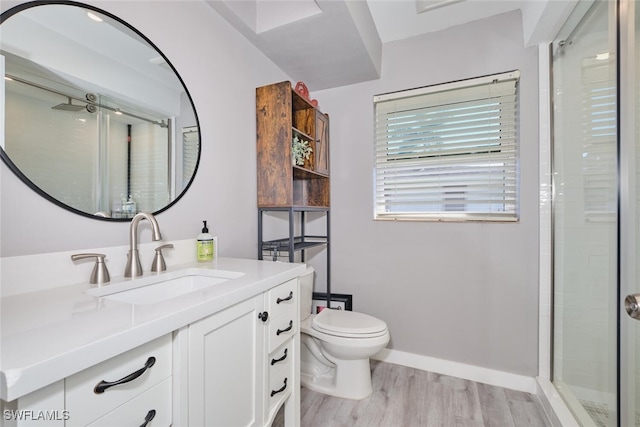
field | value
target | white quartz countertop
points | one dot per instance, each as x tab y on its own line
50	334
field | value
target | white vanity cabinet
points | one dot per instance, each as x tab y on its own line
243	362
226	355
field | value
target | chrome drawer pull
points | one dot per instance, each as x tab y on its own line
287	329
150	415
284	387
289	298
103	385
274	361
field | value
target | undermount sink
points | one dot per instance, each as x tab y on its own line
154	289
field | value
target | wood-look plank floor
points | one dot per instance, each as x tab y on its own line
407	397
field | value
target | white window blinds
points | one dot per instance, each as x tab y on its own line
599	136
190	152
448	152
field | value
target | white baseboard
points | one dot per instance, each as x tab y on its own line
459	370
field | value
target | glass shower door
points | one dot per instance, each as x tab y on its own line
585	214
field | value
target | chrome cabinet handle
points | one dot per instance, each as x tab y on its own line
280	331
280	390
103	385
150	415
289	298
632	305
274	361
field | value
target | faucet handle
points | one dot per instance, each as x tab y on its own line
100	274
158	259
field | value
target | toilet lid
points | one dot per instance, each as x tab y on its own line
347	323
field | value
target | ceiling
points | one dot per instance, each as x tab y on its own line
331	43
396	20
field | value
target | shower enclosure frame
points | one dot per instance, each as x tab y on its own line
626	382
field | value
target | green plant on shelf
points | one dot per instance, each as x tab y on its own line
301	151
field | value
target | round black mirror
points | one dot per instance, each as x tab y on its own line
97	120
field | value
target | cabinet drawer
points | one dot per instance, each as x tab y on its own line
283	298
281	329
85	405
280	378
134	412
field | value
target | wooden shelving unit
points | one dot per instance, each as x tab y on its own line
282	114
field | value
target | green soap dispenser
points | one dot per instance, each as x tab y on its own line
205	244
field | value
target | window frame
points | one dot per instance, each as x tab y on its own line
449	209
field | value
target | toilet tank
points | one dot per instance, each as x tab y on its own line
306	293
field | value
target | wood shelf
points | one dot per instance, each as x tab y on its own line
282	113
302	134
300	102
304	173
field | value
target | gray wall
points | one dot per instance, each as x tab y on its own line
466	292
221	70
461	292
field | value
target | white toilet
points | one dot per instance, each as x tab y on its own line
335	347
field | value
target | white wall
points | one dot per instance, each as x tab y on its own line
465	292
221	70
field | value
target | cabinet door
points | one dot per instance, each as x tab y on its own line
322	144
226	367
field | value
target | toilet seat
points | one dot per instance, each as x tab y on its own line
349	324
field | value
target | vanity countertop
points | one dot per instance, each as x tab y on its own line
51	334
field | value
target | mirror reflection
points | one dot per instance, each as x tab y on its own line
96	119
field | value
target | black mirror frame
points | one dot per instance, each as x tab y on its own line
12	166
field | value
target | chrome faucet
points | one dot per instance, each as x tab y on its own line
134	268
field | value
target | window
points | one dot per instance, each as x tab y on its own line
448	152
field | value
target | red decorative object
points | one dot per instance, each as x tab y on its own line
301	88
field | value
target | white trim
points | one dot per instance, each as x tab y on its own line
459	370
554	406
545	208
446	86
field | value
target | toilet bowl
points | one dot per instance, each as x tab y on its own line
335	347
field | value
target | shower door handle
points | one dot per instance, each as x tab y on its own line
632	305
